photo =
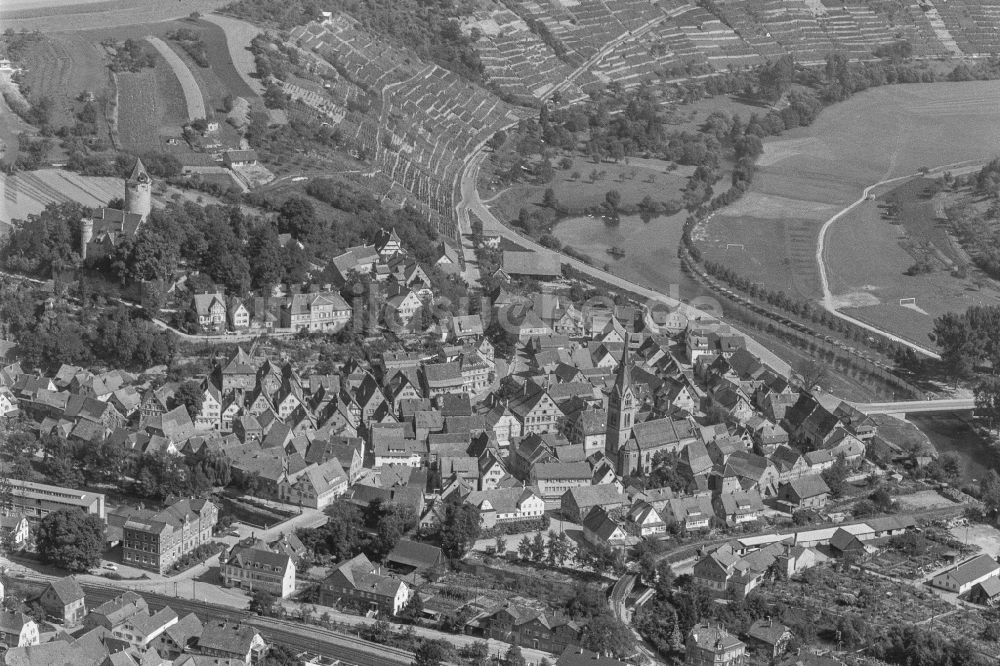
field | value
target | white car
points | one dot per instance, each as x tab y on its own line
111	566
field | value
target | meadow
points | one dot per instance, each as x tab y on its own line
151	107
61	67
50	16
809	174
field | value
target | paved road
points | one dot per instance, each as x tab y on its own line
470	201
828	303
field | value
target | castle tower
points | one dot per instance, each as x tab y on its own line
139	191
622	408
86	234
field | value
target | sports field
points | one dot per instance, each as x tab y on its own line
809	174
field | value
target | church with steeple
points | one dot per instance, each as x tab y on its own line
632	444
106	227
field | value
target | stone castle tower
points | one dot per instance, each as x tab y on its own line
139	191
107	225
622	408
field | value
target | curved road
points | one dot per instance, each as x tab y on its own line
828	303
471	202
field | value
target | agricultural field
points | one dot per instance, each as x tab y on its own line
232	38
72	15
151	107
63	66
29	192
811	173
189	86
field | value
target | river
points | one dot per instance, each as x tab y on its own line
650	249
951	434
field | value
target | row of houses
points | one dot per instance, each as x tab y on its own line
124	631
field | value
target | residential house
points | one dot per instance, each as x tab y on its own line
316	486
17	629
536	411
239	315
531	628
14	531
443	378
179	638
400	306
63	600
315	311
600	529
807	492
362	582
230	640
210	310
576	503
739	507
506	505
709	645
553	479
254	568
768	638
155	541
690	513
646	519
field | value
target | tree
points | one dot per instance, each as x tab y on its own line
431	652
812	372
558	548
262	602
549	199
514	657
989	493
70	539
538	548
191	396
500	545
614	199
605	633
459	530
524	548
958	344
836	476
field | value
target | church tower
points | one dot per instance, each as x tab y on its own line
622	408
139	191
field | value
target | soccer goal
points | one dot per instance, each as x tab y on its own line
735	246
907	301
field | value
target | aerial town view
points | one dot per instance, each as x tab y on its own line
517	332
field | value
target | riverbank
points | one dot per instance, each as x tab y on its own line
952	433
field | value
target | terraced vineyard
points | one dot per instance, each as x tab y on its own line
428	120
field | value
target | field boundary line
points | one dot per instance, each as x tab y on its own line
824	279
193	98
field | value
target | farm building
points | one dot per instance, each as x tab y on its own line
239	158
961	578
986	593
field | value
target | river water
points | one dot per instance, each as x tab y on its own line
650	249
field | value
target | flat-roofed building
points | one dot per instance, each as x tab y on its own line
37	500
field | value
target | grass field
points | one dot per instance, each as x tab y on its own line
874	255
585	193
193	99
63	66
810	173
240	76
50	16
